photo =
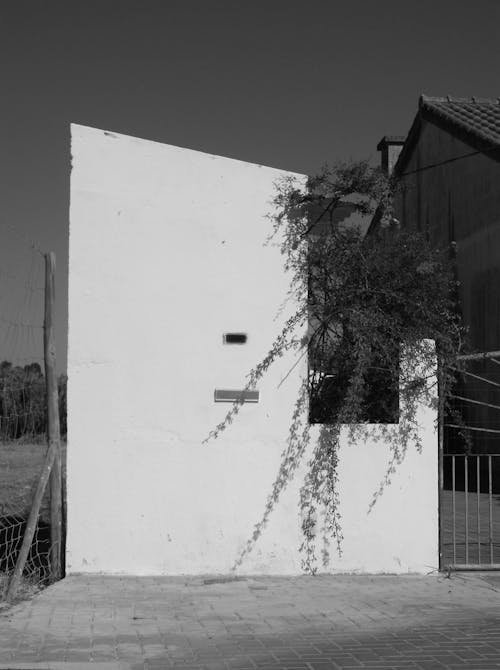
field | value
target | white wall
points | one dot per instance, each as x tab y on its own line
166	254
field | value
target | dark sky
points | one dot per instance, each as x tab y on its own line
285	83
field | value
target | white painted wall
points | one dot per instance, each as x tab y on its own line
166	254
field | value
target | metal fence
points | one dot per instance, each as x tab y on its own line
470	477
470	510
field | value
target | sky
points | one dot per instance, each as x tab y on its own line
285	83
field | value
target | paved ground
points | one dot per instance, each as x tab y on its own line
301	623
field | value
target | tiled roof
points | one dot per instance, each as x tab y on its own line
476	117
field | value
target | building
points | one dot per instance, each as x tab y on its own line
448	187
448	170
173	298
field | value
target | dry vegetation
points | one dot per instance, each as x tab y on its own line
21	462
20	466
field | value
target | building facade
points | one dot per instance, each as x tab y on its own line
173	299
448	172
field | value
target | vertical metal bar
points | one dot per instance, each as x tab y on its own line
478	489
440	466
454	508
466	487
490	502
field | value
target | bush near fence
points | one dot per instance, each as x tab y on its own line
23	401
23	446
21	462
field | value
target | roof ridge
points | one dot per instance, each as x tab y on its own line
429	99
475	121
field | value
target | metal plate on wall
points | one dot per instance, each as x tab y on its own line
229	395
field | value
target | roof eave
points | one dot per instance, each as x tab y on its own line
411	140
432	115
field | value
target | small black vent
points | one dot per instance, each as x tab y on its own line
235	338
228	395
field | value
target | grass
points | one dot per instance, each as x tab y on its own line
28	587
21	463
20	466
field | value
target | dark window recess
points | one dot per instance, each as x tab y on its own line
227	395
235	338
380	402
332	353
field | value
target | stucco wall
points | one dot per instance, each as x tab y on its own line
166	254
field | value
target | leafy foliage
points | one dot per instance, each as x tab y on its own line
376	309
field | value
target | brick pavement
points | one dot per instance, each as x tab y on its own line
257	623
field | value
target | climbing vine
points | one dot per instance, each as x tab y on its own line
372	312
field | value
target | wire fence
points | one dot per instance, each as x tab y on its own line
476	399
24	426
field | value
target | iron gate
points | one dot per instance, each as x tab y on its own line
470	467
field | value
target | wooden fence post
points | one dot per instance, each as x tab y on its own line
53	428
52	465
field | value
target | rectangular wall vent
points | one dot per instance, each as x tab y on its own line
228	395
234	338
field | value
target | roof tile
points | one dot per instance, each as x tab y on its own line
479	117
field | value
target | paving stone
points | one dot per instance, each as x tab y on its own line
265	623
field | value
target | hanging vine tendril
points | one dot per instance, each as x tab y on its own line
377	308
